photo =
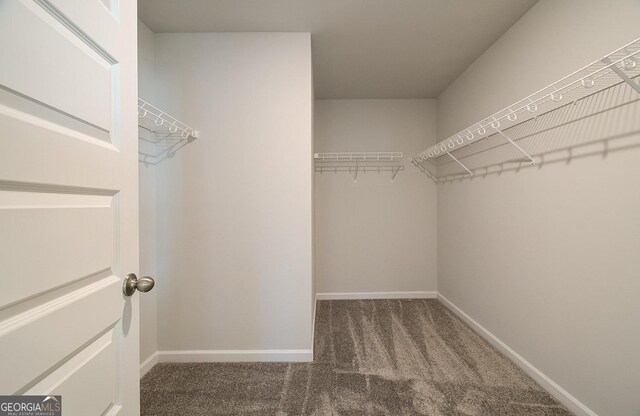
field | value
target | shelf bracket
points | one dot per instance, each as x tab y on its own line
426	172
622	75
395	172
527	155
460	163
355	176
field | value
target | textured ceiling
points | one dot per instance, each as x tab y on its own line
361	48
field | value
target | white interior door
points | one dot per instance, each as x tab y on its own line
68	203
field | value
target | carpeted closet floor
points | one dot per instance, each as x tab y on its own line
372	357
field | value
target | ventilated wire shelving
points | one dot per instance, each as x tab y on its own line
606	83
161	134
356	162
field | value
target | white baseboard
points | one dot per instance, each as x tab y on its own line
148	364
313	326
376	295
214	356
549	385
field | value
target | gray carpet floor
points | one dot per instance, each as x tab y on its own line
372	357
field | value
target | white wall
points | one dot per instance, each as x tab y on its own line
148	253
235	206
375	235
547	258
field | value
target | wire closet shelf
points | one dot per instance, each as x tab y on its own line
161	135
619	67
155	125
356	162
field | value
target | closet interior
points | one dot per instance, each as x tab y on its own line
296	224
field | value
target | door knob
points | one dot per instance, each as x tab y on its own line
131	283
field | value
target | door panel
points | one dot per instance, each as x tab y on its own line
41	69
87	382
80	316
93	18
68	203
72	236
54	147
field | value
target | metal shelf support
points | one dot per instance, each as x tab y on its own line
460	163
622	75
527	155
395	172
